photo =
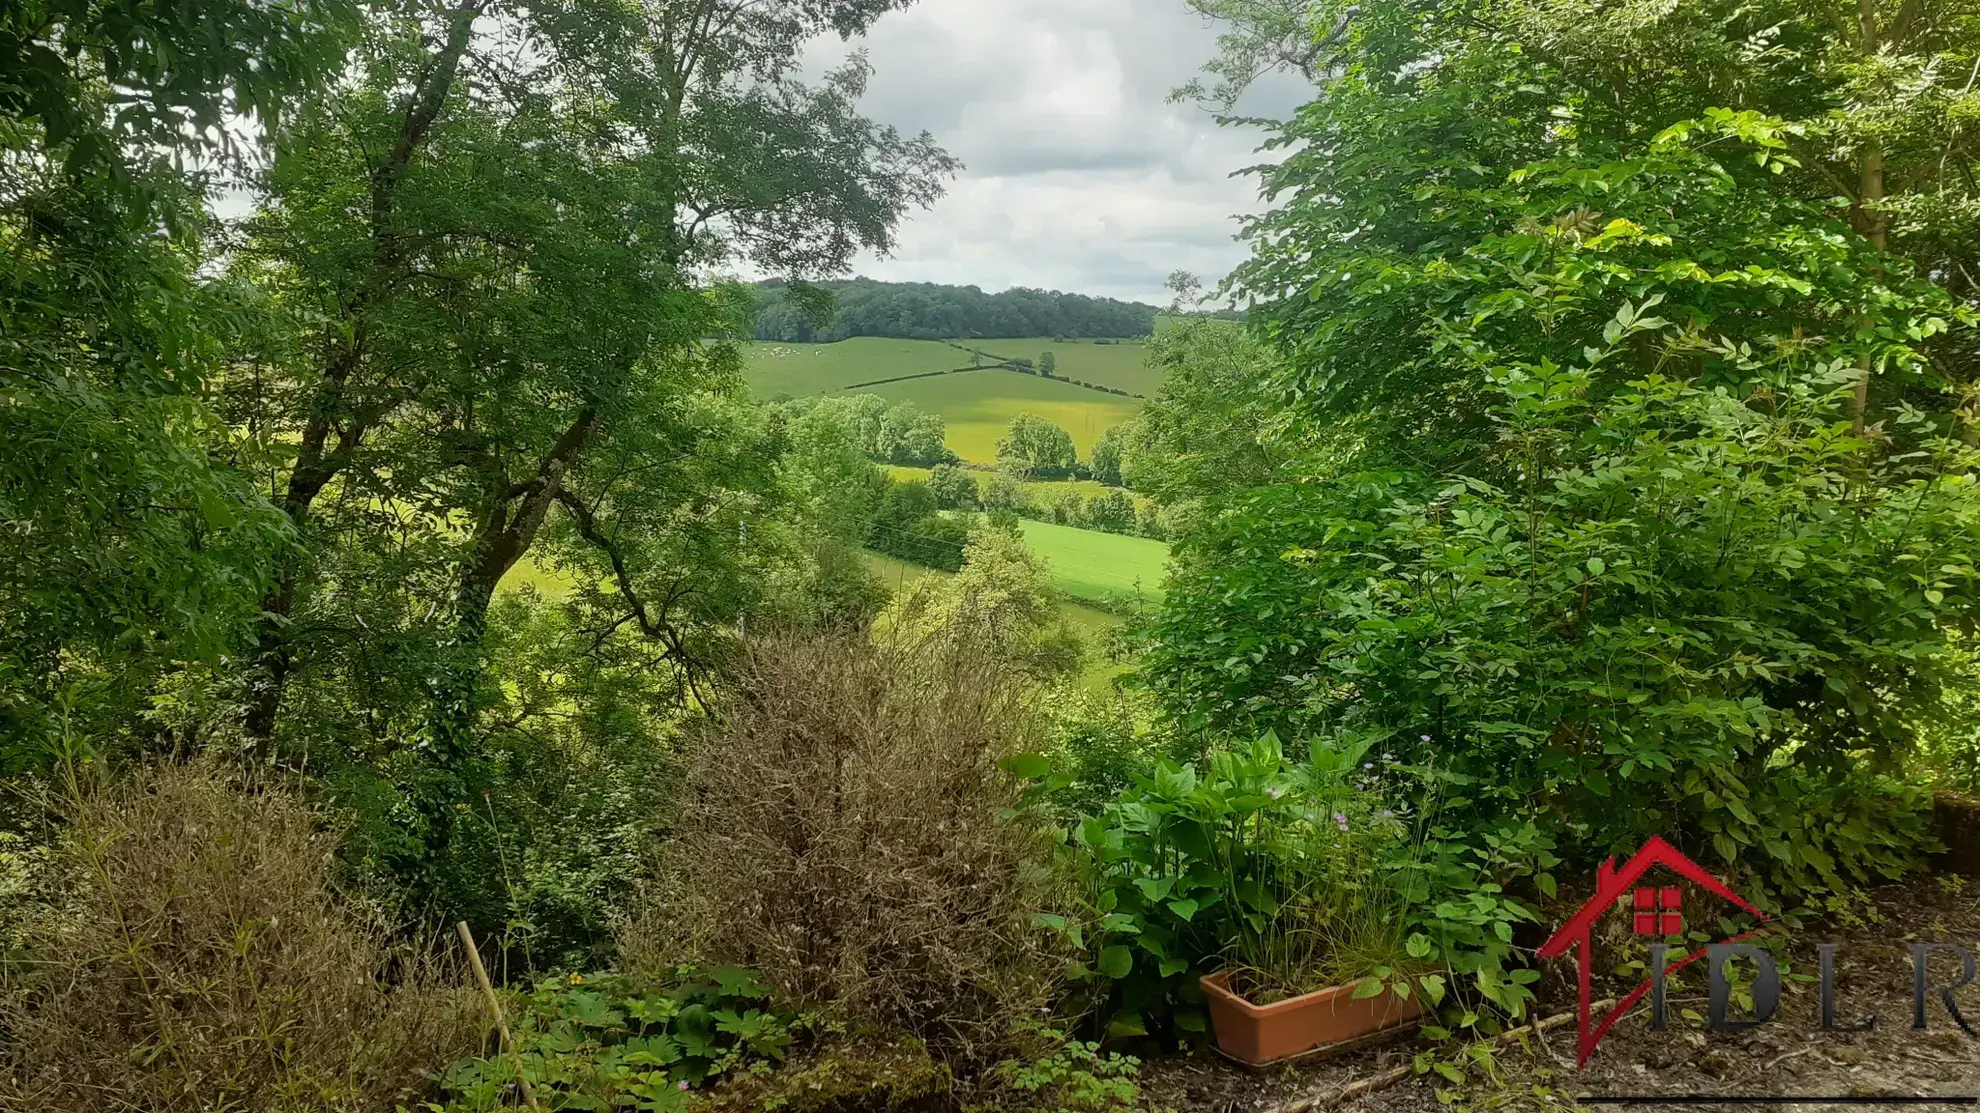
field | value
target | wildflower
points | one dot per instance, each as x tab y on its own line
577	979
1386	814
1425	737
1368	765
683	1083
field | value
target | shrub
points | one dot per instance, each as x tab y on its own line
1001	605
1688	611
207	963
850	837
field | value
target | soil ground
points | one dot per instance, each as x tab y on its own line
1789	1057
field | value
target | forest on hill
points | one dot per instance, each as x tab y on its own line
926	311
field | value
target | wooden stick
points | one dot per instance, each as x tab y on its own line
495	1007
1388	1078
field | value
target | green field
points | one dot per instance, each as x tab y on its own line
773	369
1088	564
1115	365
978	405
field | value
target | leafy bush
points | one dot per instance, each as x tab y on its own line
1001	606
608	1042
848	835
1686	610
1295	874
207	963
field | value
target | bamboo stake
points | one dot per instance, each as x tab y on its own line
1386	1079
495	1007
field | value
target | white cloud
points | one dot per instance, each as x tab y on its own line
1079	176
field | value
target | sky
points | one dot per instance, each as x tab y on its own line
1078	175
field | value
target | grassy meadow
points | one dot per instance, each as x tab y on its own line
1089	564
978	405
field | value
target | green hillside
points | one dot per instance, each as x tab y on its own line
977	405
1088	564
773	369
1117	365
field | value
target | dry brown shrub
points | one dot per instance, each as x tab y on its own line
849	836
207	964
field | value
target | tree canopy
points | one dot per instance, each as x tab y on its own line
924	311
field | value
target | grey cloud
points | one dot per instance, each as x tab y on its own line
1079	175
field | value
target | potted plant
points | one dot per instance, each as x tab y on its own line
1289	882
1321	961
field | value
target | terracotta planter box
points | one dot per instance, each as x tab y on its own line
1311	1025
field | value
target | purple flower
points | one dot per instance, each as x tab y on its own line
1425	737
1368	765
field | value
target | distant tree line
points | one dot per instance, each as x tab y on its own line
925	311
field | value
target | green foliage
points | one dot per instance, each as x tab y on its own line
1210	430
1686	616
1457	196
910	527
609	1042
179	72
1074	1077
1112	512
924	311
1258	37
900	433
954	488
1296	874
1036	449
1105	461
129	539
1002	599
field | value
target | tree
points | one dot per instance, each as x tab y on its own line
1034	448
1048	364
1002	600
600	170
485	243
1265	36
955	488
1214	426
131	546
1006	492
1105	461
1572	365
1112	511
908	435
924	311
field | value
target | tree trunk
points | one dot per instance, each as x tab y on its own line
274	654
502	538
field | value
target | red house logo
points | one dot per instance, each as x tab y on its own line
1654	911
